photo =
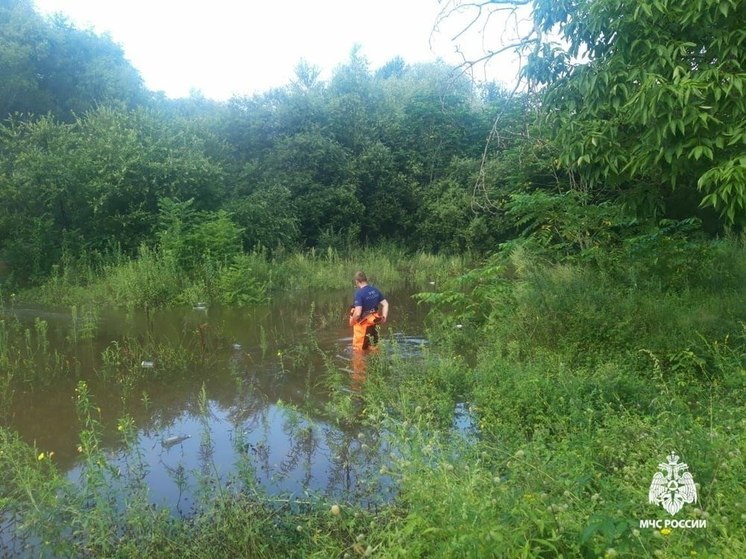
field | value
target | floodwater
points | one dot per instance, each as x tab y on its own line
247	399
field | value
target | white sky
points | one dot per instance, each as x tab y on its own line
226	47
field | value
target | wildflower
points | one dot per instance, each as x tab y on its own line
40	457
335	510
665	531
636	533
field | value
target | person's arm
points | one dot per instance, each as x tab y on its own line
355	314
384	310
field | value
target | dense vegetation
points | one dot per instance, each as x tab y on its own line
601	327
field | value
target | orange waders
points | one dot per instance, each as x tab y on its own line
364	330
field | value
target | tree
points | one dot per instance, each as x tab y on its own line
644	98
50	66
97	182
659	101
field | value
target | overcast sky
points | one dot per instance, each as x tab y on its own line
226	47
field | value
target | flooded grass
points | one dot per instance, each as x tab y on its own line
155	280
264	437
182	410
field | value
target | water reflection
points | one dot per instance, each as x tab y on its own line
229	397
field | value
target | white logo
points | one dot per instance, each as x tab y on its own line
674	488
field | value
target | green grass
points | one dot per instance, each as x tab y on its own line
154	279
578	386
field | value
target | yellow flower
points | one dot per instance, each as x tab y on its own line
40	457
665	531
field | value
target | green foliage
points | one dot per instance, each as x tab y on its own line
243	282
197	239
447	220
656	102
48	66
151	280
268	218
540	443
586	313
26	358
86	186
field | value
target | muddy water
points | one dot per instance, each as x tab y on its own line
247	405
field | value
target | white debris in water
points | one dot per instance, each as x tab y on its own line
174	439
459	326
432	283
236	346
147	364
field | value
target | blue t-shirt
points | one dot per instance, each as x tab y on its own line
369	298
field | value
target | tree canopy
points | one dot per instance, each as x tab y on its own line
633	115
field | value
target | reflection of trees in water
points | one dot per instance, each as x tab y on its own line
242	383
179	476
340	475
303	444
354	462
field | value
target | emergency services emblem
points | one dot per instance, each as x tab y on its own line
673	487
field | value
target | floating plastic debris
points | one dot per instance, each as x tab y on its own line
459	326
147	364
174	440
200	307
432	283
236	346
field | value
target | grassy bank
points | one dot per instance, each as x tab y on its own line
578	380
157	279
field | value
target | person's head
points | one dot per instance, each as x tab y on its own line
360	278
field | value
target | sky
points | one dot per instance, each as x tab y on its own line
223	48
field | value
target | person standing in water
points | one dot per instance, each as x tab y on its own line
365	314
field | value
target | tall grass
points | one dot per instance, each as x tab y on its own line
26	357
155	279
578	382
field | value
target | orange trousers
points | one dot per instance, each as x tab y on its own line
364	330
